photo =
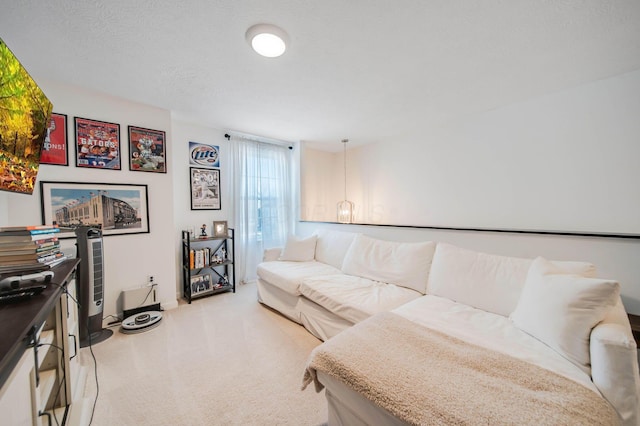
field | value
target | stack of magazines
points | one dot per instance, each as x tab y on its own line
29	248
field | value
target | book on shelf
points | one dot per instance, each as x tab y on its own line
29	230
9	270
199	258
29	268
26	228
27	260
21	248
56	261
10	237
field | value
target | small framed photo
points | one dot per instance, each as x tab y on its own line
205	189
147	150
200	284
97	144
54	149
220	229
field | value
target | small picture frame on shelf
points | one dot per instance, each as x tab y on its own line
200	284
220	229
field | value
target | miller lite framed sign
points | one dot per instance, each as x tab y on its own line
202	155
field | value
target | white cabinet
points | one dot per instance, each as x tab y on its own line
15	395
46	386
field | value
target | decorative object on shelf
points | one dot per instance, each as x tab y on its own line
147	150
220	228
345	207
203	230
62	202
213	256
205	189
97	144
54	150
200	284
202	155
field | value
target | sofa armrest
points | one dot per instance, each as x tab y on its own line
614	365
271	254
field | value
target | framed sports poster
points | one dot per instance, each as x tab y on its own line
147	150
202	155
205	189
54	148
97	144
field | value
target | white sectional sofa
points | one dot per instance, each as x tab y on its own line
345	288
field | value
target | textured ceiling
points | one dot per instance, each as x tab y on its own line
369	70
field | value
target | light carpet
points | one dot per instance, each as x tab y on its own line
223	360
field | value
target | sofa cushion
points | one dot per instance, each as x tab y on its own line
355	298
287	276
485	281
561	309
491	331
332	246
299	249
403	264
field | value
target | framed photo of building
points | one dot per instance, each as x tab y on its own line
117	208
205	189
55	146
97	144
147	150
200	284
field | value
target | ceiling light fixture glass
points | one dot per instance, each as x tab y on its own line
267	40
345	207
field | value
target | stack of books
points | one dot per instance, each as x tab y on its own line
199	258
29	248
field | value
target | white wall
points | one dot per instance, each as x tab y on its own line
319	184
129	259
183	133
566	161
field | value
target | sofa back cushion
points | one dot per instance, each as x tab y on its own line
403	264
332	246
486	281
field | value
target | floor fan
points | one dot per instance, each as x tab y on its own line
90	286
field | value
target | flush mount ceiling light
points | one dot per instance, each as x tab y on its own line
267	40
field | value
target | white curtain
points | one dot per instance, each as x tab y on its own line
263	207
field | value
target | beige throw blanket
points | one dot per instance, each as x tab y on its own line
425	377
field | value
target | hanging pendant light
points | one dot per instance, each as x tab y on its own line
345	207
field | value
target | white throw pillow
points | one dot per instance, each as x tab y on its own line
403	264
299	250
561	309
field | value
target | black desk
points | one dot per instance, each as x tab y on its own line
19	319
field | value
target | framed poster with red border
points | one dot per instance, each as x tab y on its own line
55	146
147	150
97	144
